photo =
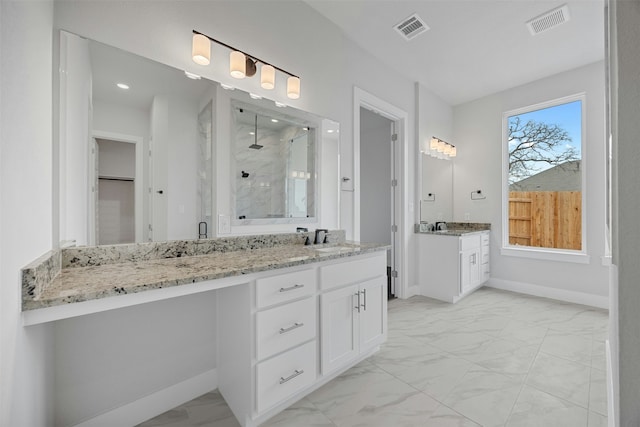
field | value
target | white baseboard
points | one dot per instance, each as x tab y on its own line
413	290
553	293
156	403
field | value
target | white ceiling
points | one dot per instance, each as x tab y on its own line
474	47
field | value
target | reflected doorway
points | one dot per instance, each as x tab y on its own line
116	194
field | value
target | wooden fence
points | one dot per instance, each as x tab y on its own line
549	219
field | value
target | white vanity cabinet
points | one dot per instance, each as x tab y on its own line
450	267
286	332
353	310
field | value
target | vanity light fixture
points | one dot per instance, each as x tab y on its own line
242	65
438	148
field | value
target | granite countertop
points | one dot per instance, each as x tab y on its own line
454	228
84	283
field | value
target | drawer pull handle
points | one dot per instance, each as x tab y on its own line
292	376
364	294
291	328
291	288
357	294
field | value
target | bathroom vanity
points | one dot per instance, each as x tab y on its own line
289	317
453	263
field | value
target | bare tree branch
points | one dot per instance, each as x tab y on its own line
533	143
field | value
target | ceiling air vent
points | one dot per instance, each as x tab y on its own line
411	27
548	20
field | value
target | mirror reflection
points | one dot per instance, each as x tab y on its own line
275	164
147	154
436	203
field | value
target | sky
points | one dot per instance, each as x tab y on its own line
567	116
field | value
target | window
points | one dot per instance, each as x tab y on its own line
544	172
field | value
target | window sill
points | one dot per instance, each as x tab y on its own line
546	254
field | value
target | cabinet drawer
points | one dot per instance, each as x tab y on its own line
285	287
284	375
469	242
485	238
485	254
358	270
285	327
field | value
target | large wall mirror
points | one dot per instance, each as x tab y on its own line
148	153
436	203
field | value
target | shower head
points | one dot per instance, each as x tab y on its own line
255	144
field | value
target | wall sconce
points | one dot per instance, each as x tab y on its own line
242	65
439	149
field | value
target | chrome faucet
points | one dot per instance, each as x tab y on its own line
316	239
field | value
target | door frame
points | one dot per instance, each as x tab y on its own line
138	180
366	100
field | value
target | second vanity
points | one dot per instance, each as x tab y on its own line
453	262
290	317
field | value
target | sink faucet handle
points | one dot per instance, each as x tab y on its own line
317	240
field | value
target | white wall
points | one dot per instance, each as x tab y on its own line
106	360
182	170
375	177
75	84
26	361
478	136
434	118
626	193
116	159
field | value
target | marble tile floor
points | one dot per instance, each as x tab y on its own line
495	358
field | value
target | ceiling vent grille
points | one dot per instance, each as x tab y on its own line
411	27
548	20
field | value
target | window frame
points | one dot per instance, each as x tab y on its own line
552	254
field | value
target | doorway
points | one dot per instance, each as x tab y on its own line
388	188
377	193
116	198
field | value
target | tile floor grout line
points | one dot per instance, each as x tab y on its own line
526	377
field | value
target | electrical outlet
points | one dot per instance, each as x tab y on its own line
467	216
224	224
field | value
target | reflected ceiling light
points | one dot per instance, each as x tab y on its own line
254	96
201	49
122	86
280	104
192	76
274	120
227	87
242	65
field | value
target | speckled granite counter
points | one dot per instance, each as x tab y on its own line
454	228
94	273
